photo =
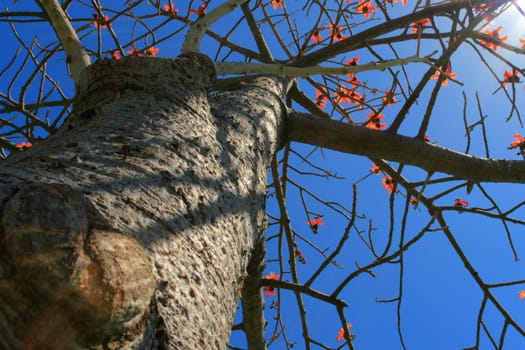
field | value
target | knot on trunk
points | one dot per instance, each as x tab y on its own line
86	284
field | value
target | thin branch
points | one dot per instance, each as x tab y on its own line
298	287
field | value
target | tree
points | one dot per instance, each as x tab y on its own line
139	220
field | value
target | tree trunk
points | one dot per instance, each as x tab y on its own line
133	225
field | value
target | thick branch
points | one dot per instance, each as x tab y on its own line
76	55
328	133
197	30
224	68
252	301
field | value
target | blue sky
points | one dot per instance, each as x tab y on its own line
440	302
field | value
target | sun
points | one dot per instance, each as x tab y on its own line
521	4
513	19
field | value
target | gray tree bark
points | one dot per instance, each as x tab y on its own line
134	225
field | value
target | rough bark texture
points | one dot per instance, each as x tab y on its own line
133	226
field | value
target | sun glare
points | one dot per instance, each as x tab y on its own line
514	20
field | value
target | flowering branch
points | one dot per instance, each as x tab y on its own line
357	40
77	57
344	137
224	68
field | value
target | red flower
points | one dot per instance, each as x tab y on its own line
317	221
483	9
299	256
418	26
521	294
352	79
335	32
374	121
272	276
277	3
414	200
365	8
355	97
389	98
448	74
316	36
341	95
151	51
270	290
427	138
480	8
23	145
509	77
391	2
320	98
170	10
314	224
519	143
353	61
201	11
134	52
360	101
495	35
388	184
116	54
375	169
458	202
99	21
341	334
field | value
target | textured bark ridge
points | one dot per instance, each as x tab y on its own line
133	226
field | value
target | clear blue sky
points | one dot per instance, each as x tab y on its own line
440	302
